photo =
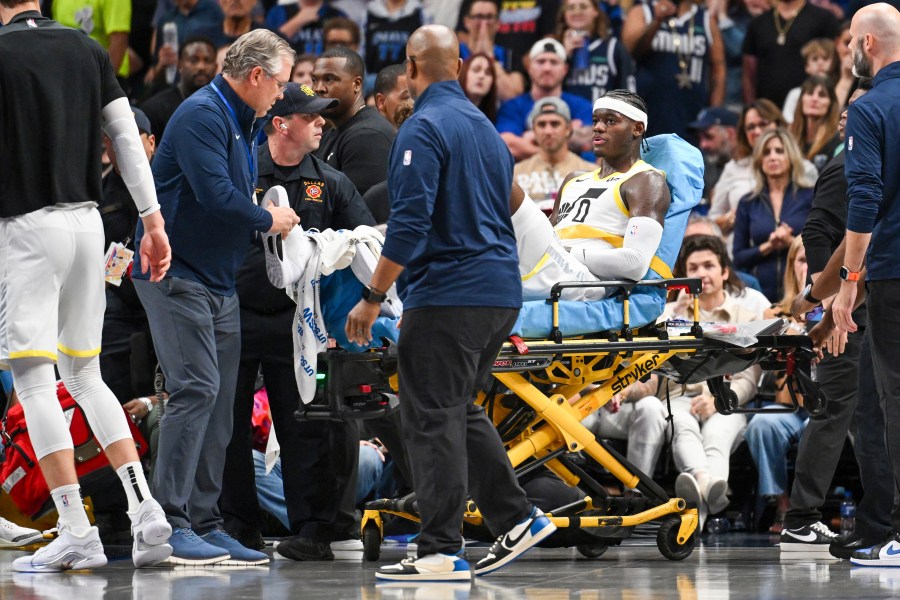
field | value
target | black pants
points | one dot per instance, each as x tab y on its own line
316	456
883	301
446	354
847	382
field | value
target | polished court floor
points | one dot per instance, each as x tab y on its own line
730	567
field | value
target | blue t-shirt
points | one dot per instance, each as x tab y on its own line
500	54
449	178
308	39
513	115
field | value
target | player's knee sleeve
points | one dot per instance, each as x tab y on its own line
35	384
102	409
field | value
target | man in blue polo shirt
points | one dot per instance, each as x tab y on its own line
451	231
873	222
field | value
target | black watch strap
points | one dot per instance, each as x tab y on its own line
373	296
807	295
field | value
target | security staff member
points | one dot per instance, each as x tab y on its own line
315	461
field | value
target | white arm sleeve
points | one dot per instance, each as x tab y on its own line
632	260
120	127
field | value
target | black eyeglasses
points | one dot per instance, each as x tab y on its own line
483	17
408	60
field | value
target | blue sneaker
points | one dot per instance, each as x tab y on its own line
516	542
434	567
885	554
189	549
241	556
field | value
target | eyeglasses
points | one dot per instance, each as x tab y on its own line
761	125
483	17
281	85
408	60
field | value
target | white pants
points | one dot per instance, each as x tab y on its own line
704	448
642	423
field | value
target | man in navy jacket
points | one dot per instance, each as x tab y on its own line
873	221
449	178
205	174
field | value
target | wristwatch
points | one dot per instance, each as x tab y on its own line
373	296
848	275
807	295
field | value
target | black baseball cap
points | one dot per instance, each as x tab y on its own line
299	98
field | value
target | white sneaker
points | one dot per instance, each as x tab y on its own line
13	536
347	546
687	488
68	551
151	532
434	567
717	496
288	268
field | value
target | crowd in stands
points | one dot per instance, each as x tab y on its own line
758	86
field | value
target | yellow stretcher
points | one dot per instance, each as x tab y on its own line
542	429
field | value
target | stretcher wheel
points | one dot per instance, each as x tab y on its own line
371	539
667	540
726	402
592	550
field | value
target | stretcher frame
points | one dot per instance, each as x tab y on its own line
545	427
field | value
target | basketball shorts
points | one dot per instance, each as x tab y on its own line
52	295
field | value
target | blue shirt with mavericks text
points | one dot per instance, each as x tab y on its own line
450	176
872	157
204	175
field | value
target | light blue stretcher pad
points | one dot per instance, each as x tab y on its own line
579	318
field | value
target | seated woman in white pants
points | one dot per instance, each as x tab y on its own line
703	438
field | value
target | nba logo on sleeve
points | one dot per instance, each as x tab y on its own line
850	143
407	158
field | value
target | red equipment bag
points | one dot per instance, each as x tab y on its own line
20	475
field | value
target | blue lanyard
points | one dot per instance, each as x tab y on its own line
251	148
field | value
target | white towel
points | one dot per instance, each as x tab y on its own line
306	258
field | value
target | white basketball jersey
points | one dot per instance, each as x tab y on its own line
591	209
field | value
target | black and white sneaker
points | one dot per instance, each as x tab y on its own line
884	554
516	542
809	540
434	567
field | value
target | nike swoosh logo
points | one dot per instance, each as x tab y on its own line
809	537
237	137
890	551
514	541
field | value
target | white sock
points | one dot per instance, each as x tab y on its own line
135	484
71	511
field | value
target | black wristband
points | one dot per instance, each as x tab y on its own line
807	295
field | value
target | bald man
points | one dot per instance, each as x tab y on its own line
450	176
873	224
